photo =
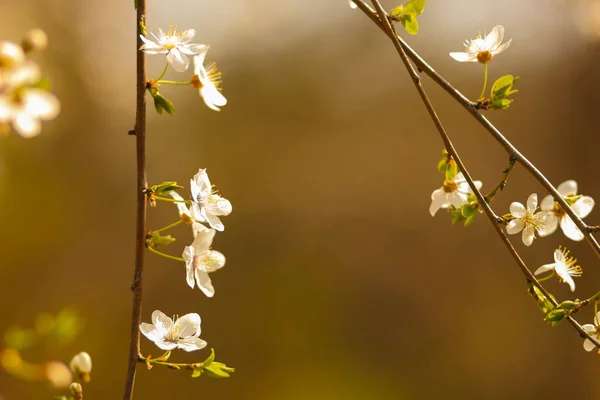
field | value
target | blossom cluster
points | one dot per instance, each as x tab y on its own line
24	100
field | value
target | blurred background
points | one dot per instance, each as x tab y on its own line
338	283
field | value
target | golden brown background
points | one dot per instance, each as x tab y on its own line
338	284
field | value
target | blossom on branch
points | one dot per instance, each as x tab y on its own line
483	49
455	192
594	331
563	266
529	221
175	45
581	206
183	333
200	260
185	214
207	205
81	366
208	81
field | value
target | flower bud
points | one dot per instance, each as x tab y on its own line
58	374
76	390
36	39
11	54
81	365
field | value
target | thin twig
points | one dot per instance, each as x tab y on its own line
496	134
141	186
384	23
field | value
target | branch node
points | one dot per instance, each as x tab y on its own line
131	132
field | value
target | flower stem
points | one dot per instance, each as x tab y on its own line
546	278
160	253
164	228
164	72
171	200
485	78
174	82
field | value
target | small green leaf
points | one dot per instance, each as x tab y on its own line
165	188
442	165
397	12
410	23
456	216
197	372
501	104
414	7
210	359
451	170
469	220
161	241
218	370
162	103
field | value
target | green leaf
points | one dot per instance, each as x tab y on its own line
469	220
397	12
442	165
410	23
414	7
165	188
197	372
210	359
218	370
162	241
451	170
502	87
162	103
501	104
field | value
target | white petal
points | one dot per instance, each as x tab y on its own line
515	226
161	321
191	344
567	188
202	188
187	36
545	268
188	256
204	283
26	125
570	229
583	206
547	203
150	331
494	38
501	48
179	61
203	241
559	256
212	97
437	199
517	209
191	49
463	57
165	345
528	235
189	325
548	223
199	61
213	221
532	202
588	345
589	327
216	260
568	280
181	207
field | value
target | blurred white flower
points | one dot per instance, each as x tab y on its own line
453	193
185	213
593	331
483	49
200	260
35	40
25	110
58	374
11	54
563	266
81	363
581	205
207	81
529	221
207	205
175	45
183	333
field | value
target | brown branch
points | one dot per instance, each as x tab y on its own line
496	134
384	23
141	186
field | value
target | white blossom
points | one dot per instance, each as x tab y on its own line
200	260
183	333
26	110
594	331
11	54
207	205
563	266
208	81
581	206
175	45
81	363
529	221
185	214
483	49
453	193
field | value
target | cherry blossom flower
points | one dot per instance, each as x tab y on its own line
175	45
81	365
25	111
200	260
207	205
594	331
185	214
11	54
581	205
183	333
529	221
483	49
563	266
207	81
453	193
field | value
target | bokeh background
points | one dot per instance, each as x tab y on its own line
338	283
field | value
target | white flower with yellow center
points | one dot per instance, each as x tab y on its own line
594	331
11	55
483	49
529	221
175	45
453	193
207	205
208	81
185	214
581	206
167	334
564	266
200	260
